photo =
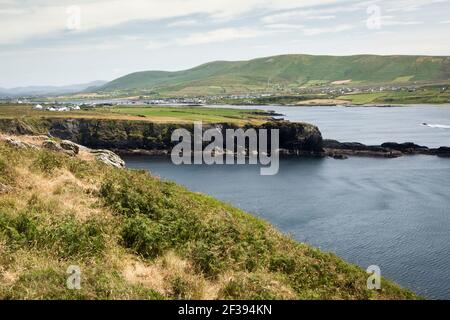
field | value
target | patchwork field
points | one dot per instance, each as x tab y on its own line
144	113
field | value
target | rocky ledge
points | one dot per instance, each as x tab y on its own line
67	147
341	150
143	137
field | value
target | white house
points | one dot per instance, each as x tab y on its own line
38	107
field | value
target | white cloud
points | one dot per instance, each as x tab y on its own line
410	5
329	17
284	26
399	23
155	45
182	23
332	29
390	21
219	35
310	14
21	21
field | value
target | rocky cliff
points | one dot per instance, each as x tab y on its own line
124	135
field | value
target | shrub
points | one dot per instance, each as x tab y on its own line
206	260
66	238
72	238
48	161
6	172
79	169
143	236
179	288
255	287
128	197
21	230
283	263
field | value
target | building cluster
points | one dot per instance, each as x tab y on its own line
176	101
58	108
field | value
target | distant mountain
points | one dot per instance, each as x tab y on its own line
51	90
287	71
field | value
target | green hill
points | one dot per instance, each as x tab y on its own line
287	71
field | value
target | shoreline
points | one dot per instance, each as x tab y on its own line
341	105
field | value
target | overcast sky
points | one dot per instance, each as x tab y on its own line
59	42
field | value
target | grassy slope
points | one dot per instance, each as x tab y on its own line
142	113
136	237
287	70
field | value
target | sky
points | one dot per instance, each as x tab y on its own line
61	42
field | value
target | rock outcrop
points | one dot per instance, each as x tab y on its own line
19	144
67	147
109	158
341	150
70	146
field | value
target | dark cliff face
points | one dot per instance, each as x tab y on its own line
295	138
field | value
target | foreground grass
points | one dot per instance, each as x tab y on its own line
143	113
137	237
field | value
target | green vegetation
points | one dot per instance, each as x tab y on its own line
281	73
190	114
137	237
431	95
140	113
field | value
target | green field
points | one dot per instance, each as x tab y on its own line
190	114
144	113
423	95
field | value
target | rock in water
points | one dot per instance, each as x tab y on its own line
109	158
443	152
406	148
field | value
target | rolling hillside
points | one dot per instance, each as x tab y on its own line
287	71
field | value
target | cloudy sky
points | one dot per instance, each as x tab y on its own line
59	42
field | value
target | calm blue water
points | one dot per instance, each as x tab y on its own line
374	125
394	213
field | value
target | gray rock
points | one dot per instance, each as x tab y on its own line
443	152
54	146
20	144
70	146
109	158
4	188
340	157
51	145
